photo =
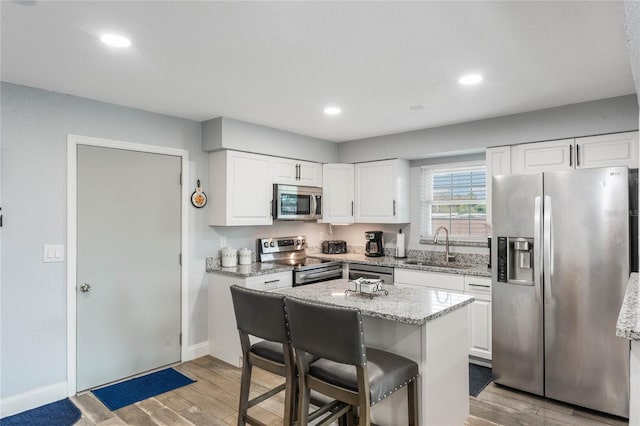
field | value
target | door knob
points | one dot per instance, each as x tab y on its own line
85	288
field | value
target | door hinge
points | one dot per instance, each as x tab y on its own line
180	258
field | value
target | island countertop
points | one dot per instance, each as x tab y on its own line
405	305
628	325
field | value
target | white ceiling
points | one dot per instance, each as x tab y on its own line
279	63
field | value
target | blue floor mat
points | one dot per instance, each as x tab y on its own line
134	390
59	413
479	378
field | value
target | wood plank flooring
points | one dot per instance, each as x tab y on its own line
212	401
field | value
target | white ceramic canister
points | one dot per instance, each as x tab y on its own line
229	257
245	256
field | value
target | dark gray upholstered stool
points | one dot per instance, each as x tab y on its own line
347	370
261	314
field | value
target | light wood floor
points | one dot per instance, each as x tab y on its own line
212	400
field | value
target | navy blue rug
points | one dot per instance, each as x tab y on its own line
134	390
479	378
59	413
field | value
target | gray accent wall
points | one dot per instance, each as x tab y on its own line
34	129
227	133
611	115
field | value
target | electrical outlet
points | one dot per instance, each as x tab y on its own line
223	242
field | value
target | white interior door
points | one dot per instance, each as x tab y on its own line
128	263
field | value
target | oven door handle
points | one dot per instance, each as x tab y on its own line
331	273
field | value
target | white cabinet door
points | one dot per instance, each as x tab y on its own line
294	172
240	189
542	156
434	280
498	162
382	192
480	327
619	149
479	316
337	193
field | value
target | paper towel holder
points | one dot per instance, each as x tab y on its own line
400	251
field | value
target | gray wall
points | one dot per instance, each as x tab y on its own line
35	124
589	118
226	133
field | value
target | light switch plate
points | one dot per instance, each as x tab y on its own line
53	253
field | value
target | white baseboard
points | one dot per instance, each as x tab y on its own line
32	399
197	350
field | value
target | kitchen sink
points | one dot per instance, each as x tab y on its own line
435	264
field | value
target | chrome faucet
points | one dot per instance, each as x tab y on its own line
447	257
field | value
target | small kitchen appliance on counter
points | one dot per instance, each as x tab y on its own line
292	251
374	247
334	247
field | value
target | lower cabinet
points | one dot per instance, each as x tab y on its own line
479	316
479	311
224	342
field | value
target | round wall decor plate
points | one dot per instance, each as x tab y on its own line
198	198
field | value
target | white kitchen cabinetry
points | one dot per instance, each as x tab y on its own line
240	189
382	192
479	316
617	149
338	193
224	342
543	156
498	162
294	172
479	311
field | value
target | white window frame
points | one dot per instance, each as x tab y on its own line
425	195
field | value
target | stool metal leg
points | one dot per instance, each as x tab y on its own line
412	401
245	381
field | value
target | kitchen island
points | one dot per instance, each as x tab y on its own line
628	327
427	326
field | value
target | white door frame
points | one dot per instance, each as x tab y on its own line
72	164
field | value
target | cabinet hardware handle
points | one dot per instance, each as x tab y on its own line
394	207
570	155
479	285
577	155
352	208
298	171
271	282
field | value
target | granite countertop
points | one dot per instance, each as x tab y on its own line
406	305
628	325
476	270
252	270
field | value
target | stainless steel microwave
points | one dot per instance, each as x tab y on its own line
292	202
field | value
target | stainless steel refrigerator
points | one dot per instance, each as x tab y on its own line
560	266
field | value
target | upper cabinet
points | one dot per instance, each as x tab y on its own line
618	149
498	161
240	188
294	172
382	192
338	193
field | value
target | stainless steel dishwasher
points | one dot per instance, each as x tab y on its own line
357	270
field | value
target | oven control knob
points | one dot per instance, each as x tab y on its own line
272	244
304	241
298	242
265	245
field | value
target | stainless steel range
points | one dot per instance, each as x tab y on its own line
292	251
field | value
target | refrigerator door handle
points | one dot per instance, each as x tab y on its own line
537	247
547	264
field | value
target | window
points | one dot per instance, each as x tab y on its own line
454	196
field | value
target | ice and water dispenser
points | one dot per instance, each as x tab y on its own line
515	260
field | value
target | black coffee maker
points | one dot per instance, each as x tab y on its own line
374	247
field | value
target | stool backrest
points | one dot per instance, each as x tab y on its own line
260	314
326	331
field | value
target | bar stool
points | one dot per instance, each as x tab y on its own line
261	315
347	370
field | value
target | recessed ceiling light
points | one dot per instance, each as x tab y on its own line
332	110
470	79
115	40
416	107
